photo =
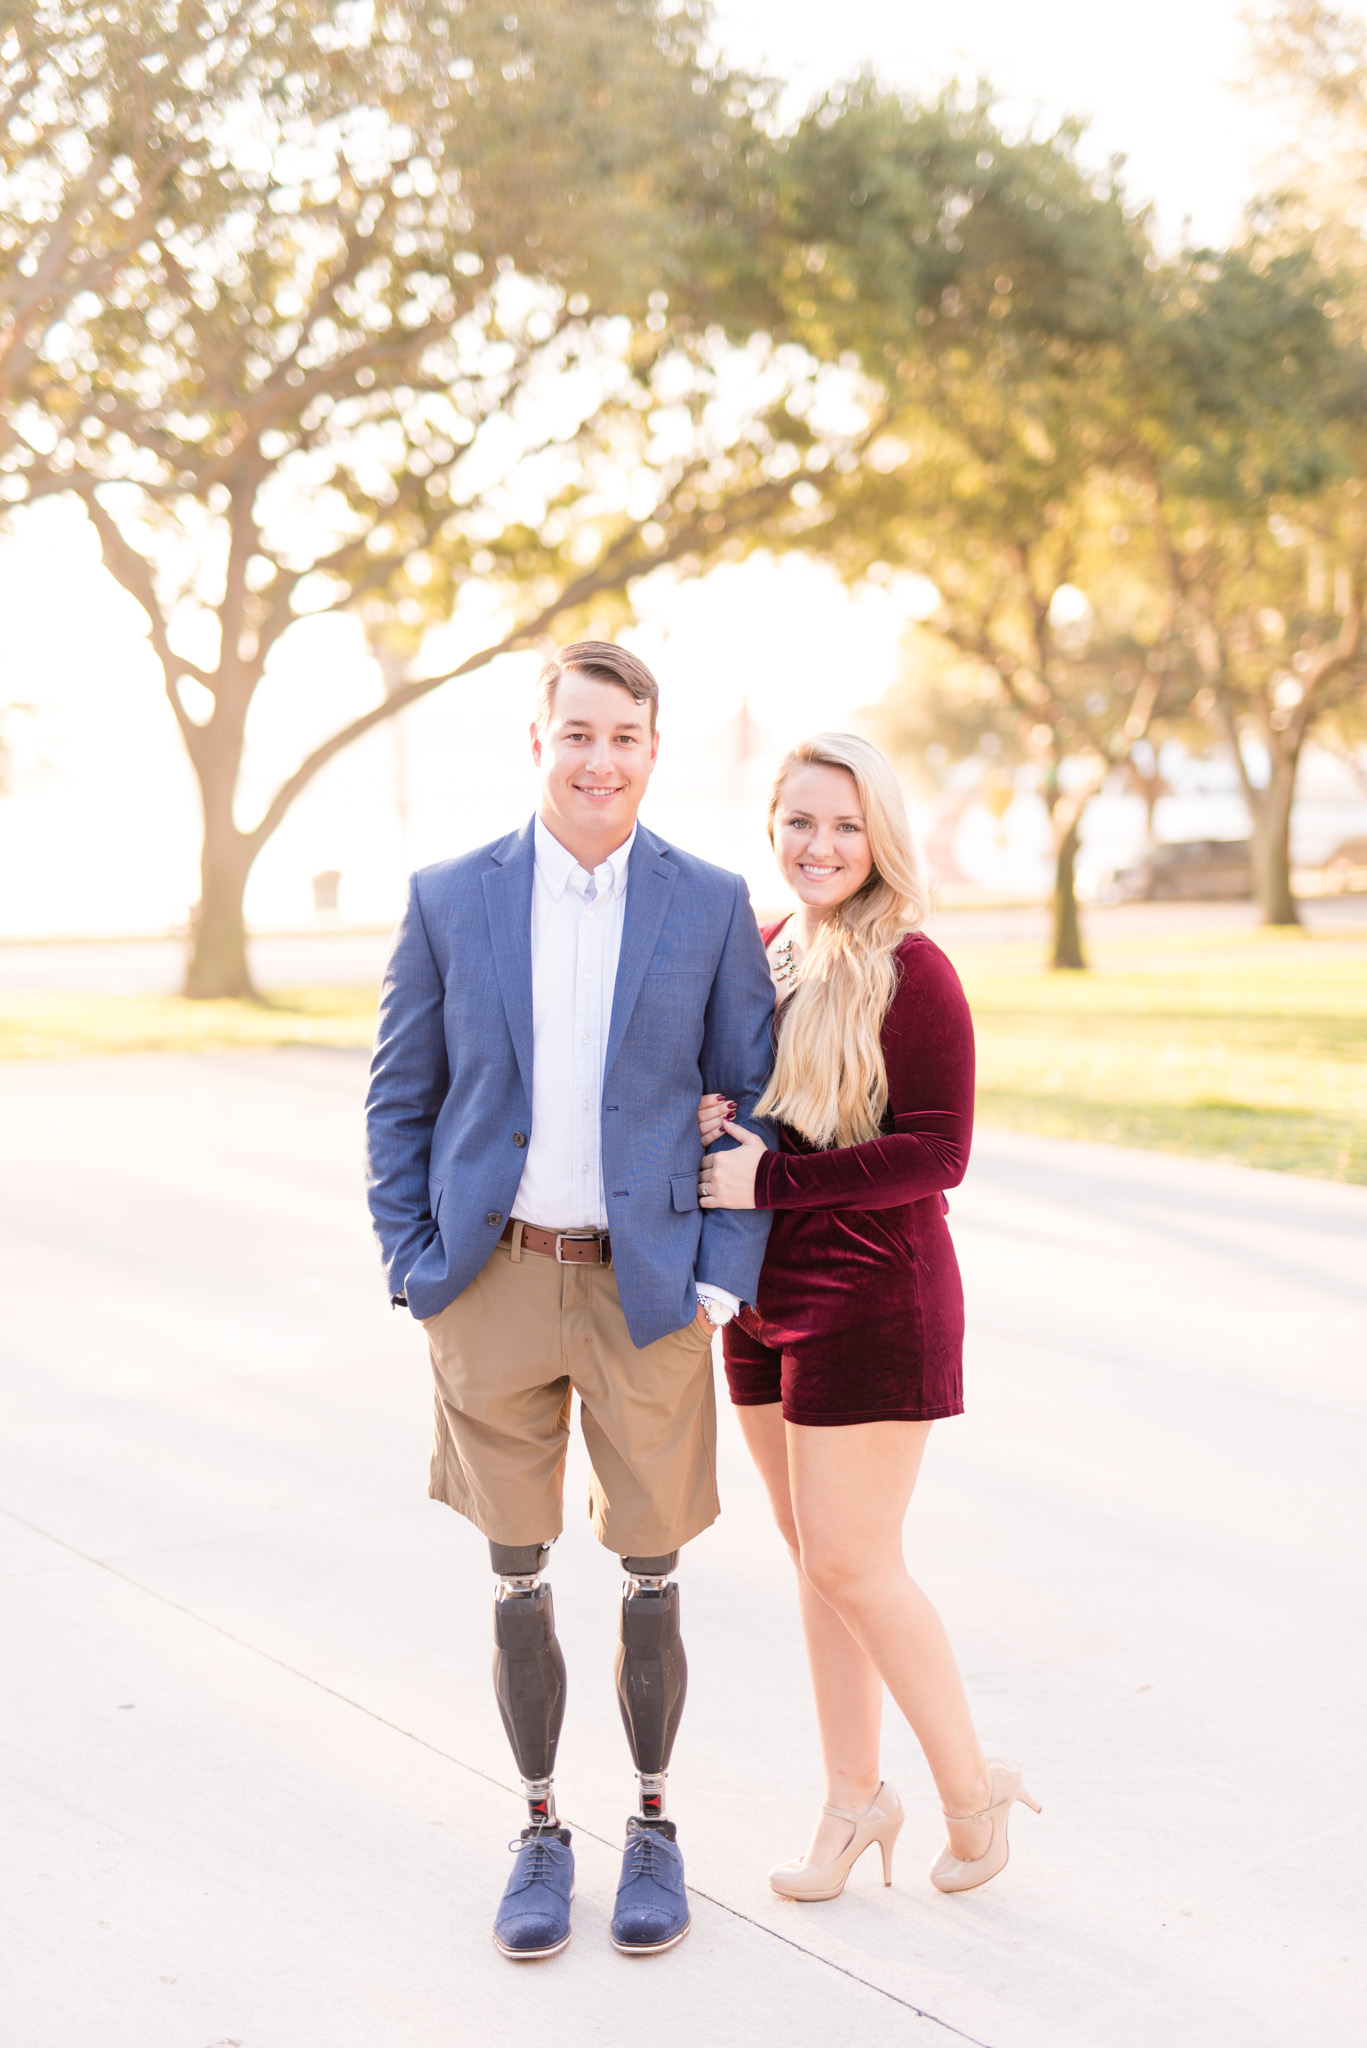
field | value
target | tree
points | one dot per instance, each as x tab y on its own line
1278	601
1077	693
1062	412
1215	531
1252	438
104	106
988	290
1310	61
368	308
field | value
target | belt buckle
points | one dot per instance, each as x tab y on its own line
577	1237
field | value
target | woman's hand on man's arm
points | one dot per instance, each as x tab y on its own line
713	1111
726	1180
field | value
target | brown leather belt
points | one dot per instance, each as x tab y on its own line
566	1247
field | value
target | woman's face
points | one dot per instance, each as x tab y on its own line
820	836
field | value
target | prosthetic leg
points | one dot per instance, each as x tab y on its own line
529	1672
651	1912
652	1674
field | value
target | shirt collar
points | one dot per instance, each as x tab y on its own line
558	867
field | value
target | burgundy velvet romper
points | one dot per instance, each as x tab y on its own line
859	1312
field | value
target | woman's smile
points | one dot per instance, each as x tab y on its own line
821	838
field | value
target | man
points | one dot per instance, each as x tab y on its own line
555	1005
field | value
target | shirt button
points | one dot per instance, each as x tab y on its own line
519	1137
492	1218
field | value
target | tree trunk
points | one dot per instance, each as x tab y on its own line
1272	844
218	955
1067	951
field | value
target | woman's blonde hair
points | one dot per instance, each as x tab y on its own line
829	1080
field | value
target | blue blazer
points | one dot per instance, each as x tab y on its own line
451	1081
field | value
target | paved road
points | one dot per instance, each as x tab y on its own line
342	956
256	1791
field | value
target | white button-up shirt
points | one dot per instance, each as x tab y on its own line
576	943
576	935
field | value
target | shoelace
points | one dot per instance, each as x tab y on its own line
541	1864
643	1853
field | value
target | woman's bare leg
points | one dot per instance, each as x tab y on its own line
847	1687
849	1490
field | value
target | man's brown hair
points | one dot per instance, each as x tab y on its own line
602	662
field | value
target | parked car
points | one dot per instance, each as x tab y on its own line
1196	869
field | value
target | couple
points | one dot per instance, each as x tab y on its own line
585	1115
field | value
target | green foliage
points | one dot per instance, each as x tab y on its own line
318	308
332	311
355	250
990	291
1098	458
910	215
1311	65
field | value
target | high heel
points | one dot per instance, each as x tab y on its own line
880	1821
951	1873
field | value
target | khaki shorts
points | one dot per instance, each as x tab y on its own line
506	1356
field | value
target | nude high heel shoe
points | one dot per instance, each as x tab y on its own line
880	1822
951	1873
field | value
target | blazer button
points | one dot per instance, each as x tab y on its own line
492	1218
519	1137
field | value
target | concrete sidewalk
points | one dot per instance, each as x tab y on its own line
257	1794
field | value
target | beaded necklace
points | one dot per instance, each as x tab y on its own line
785	969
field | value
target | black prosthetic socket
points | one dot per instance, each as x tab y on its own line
652	1674
518	1560
529	1672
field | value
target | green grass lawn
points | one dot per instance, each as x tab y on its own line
1245	1046
64	1026
1249	1047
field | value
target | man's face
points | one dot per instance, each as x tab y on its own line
595	753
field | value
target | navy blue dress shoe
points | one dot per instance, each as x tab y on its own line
652	1905
533	1918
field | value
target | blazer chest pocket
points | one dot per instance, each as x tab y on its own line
683	1188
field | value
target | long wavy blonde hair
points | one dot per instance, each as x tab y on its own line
829	1080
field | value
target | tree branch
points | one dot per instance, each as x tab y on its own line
406	694
614	570
133	571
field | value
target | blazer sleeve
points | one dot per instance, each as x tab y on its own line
737	1053
928	1048
408	1083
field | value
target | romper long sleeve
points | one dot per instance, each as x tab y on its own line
860	1292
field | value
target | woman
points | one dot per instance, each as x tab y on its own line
853	1347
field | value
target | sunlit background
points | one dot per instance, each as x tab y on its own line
749	656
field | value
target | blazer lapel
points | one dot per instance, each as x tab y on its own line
651	876
508	907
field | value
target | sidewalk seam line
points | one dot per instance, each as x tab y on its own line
359	1707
